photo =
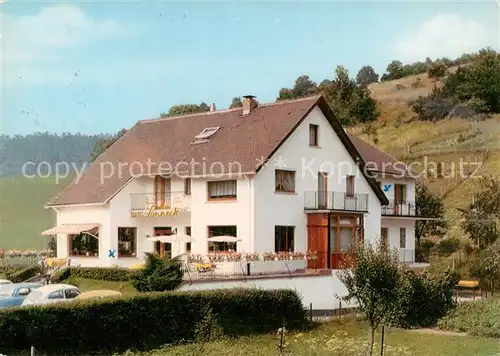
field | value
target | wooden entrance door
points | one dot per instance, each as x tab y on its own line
163	248
399	198
384	239
322	190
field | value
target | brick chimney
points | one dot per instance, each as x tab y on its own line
249	103
212	107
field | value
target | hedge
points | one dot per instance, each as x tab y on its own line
10	269
99	273
23	274
146	321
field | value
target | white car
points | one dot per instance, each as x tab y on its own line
52	293
4	281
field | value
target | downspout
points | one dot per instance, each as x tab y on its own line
250	210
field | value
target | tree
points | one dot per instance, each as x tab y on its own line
367	75
481	219
479	81
486	266
185	109
160	274
303	86
428	205
437	70
373	283
236	103
102	145
433	107
394	70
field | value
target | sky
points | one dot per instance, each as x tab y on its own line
96	67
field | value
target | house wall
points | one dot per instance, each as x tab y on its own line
388	183
98	214
320	291
406	254
120	216
206	213
331	157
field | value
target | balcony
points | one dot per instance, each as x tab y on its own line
407	208
328	200
148	204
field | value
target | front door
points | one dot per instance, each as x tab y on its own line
384	239
322	190
163	248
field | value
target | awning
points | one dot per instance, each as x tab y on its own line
72	229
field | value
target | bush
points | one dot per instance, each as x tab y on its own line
98	273
433	107
160	274
11	269
480	318
147	321
24	274
424	298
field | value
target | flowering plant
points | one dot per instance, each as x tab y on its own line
204	267
196	258
311	255
23	253
252	256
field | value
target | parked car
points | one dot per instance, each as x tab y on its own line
13	294
102	293
52	293
4	282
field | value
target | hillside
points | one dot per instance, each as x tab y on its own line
446	141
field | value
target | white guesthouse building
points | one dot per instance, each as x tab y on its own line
278	177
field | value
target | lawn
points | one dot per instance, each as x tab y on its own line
347	339
86	285
480	318
22	215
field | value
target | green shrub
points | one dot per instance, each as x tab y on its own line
24	274
424	298
98	273
160	274
7	270
480	318
147	321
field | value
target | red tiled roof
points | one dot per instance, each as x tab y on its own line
379	161
241	138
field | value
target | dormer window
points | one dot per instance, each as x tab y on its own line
207	133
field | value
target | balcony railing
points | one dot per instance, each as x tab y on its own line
407	208
328	200
169	201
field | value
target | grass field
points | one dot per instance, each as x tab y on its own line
347	339
22	215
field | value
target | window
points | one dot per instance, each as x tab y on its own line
313	135
225	189
214	246
346	231
84	245
127	242
207	133
23	292
350	186
284	238
188	244
56	295
187	186
71	293
402	237
285	181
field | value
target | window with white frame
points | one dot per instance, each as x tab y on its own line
222	190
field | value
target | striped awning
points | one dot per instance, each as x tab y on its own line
72	229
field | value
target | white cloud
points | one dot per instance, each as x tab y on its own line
54	28
445	35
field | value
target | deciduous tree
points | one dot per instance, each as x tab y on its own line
428	205
367	75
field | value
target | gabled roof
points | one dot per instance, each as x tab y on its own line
247	139
381	162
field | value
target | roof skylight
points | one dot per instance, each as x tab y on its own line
207	133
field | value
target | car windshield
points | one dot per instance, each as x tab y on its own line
6	291
35	295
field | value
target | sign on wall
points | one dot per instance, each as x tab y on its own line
155	211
